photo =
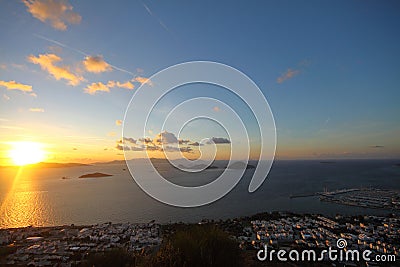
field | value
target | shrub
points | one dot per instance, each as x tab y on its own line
198	245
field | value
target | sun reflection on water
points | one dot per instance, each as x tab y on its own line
23	204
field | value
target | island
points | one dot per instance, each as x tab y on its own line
197	167
240	165
95	175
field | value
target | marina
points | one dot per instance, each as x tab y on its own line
366	198
360	197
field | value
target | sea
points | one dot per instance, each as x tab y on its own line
57	196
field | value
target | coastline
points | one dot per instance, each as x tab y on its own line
72	243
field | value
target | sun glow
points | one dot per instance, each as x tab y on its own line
24	153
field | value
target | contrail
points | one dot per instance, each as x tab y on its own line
123	70
60	44
80	52
156	17
147	8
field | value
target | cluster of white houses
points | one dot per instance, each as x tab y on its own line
69	245
378	234
66	246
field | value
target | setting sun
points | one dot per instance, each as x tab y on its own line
24	153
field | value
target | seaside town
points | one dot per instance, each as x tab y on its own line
381	235
70	245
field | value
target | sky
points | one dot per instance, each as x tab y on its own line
328	69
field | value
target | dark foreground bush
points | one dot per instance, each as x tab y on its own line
198	245
7	250
115	258
194	246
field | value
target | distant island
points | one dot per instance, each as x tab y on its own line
197	167
95	175
240	165
234	166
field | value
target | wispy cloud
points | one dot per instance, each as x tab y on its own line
96	87
13	85
57	12
166	141
142	80
36	110
126	85
48	63
290	73
96	64
218	140
99	86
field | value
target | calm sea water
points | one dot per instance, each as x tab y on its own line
42	198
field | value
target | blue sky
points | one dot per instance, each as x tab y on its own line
329	69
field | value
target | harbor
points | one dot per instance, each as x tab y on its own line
360	197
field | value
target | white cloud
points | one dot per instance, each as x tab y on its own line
58	12
47	62
36	110
96	64
99	86
13	85
166	138
96	87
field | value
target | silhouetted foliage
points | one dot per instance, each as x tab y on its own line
7	250
115	257
198	245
